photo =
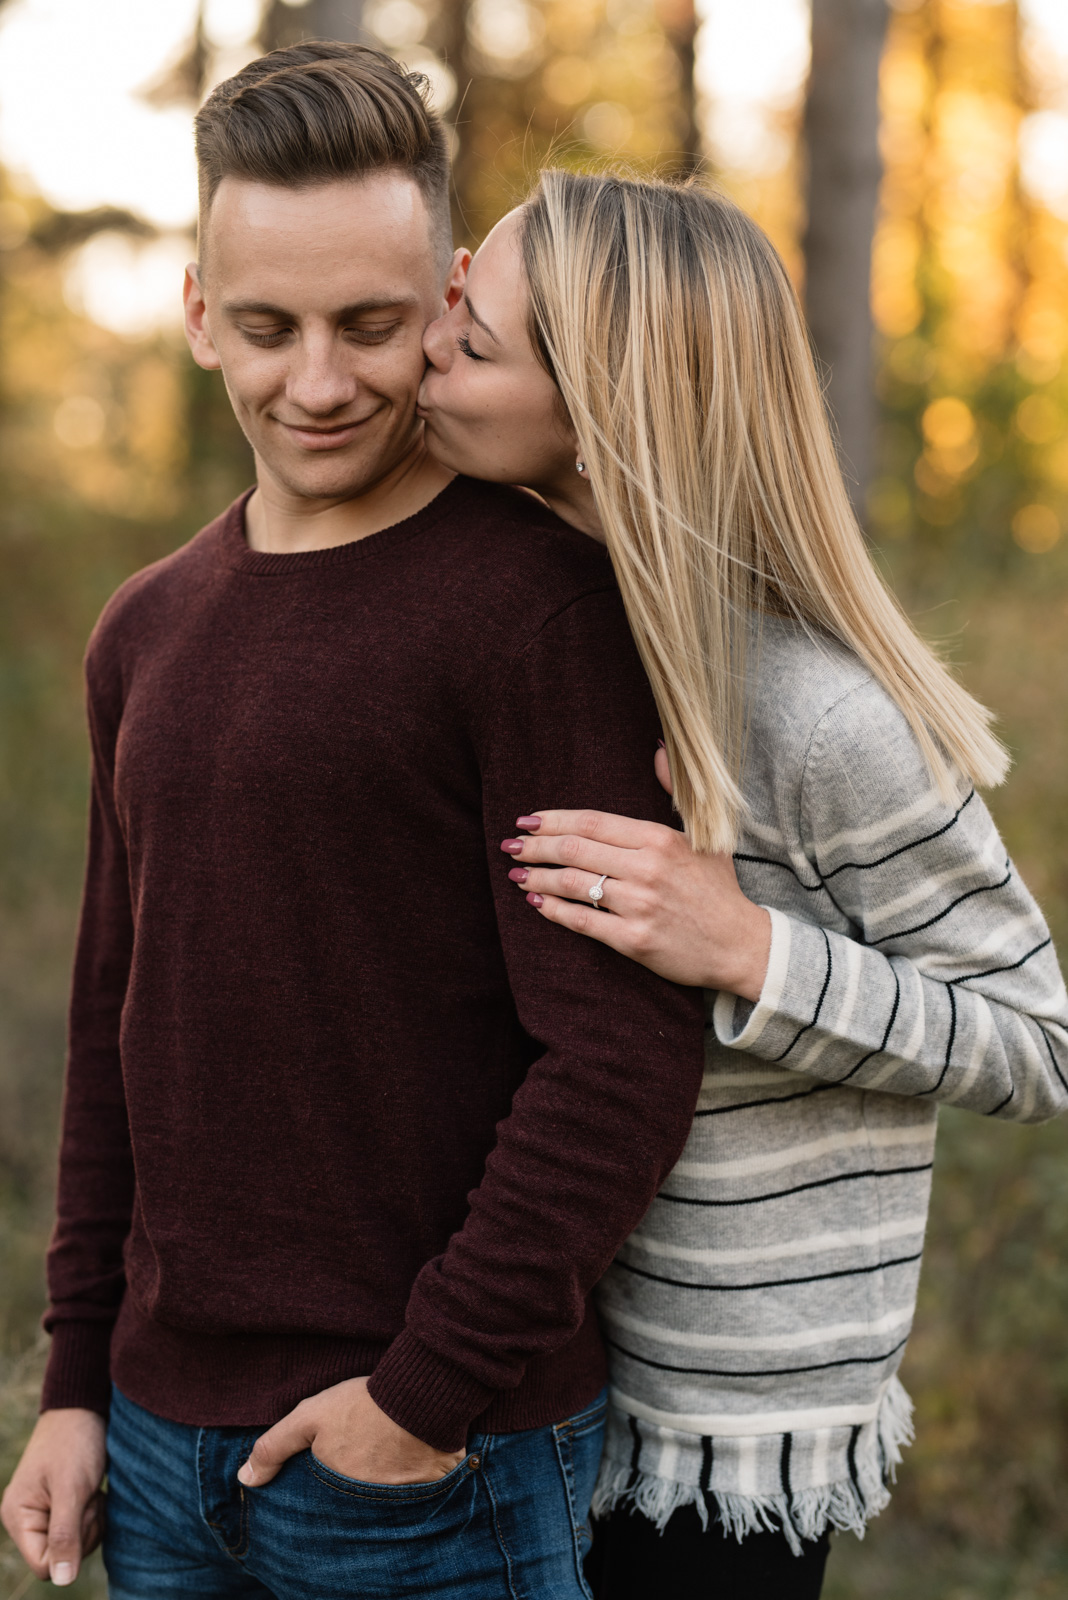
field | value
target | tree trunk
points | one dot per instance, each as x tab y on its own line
844	169
320	19
450	41
678	18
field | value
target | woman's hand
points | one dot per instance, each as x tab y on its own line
679	913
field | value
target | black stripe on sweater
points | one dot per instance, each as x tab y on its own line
867	866
784	1478
768	1372
851	1460
771	1100
768	861
903	933
857	866
819	1004
886	1036
1049	1047
1011	966
707	1458
635	1452
1001	1103
799	1188
768	1283
949	1042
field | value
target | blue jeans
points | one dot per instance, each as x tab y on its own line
509	1523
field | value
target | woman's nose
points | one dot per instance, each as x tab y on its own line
437	346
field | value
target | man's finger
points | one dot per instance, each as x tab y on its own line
93	1518
33	1548
65	1536
274	1448
28	1526
626	832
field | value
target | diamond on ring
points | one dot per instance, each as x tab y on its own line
597	892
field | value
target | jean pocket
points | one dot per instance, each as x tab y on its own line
396	1494
587	1421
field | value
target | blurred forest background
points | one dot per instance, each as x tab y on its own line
921	145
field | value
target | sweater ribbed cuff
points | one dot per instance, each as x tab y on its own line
78	1372
745	1024
790	1000
427	1395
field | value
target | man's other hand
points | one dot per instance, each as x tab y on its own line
53	1507
348	1433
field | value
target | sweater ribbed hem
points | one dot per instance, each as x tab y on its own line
79	1367
252	1380
426	1394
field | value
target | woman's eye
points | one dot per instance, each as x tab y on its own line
464	344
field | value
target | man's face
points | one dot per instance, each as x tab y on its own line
313	302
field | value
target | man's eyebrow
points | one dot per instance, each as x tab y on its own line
264	308
476	318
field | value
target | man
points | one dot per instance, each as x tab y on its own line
343	1152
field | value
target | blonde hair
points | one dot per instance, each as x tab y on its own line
672	330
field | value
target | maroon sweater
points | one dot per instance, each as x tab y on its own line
338	1100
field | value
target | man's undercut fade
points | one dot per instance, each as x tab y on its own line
319	112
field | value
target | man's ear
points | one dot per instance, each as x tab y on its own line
196	321
454	283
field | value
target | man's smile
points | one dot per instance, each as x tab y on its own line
332	436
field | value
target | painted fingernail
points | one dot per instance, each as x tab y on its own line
535	900
62	1573
528	824
513	847
661	743
519	874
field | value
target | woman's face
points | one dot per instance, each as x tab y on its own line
490	408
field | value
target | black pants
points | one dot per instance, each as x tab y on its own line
630	1560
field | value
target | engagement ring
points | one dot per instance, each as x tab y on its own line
598	889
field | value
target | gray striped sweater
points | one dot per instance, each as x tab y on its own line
757	1317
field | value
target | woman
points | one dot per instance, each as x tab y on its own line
634	353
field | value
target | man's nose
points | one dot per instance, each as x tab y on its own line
320	382
437	345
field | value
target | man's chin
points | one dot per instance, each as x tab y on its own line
341	475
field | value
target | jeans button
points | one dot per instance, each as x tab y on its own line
474	1462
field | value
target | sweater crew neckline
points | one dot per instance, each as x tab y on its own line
240	557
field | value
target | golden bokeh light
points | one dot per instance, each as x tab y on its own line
948	423
1039	419
1036	529
568	80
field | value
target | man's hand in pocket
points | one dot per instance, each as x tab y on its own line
348	1433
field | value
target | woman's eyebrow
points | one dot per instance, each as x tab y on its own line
476	318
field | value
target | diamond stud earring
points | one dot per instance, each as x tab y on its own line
580	468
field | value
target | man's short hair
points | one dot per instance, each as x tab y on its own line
322	111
